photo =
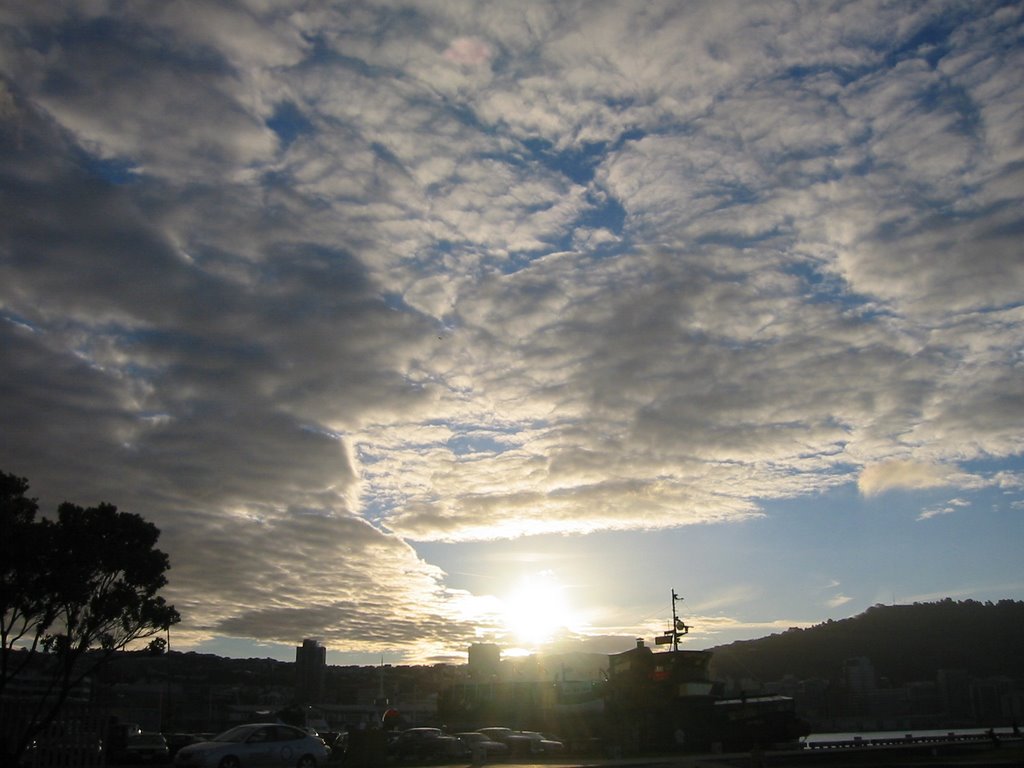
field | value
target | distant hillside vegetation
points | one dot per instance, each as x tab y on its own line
905	643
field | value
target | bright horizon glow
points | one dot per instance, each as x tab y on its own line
536	611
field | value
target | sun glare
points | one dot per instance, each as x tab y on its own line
537	610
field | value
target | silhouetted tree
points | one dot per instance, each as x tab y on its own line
73	591
20	579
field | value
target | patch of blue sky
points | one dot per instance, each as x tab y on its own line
945	97
395	301
633	134
992	465
116	171
289	123
378	504
321	431
381	152
843	75
321	53
602	212
78	30
367	456
465	445
154	417
930	42
576	163
1014	228
18	320
886	547
822	286
520	260
487	438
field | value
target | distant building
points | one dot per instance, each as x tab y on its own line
484	661
310	670
859	674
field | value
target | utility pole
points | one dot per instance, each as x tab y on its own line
678	626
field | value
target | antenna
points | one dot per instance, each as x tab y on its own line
678	626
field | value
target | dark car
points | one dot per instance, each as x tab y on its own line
337	742
144	748
176	741
428	744
524	743
544	744
481	743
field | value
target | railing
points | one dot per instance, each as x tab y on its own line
951	737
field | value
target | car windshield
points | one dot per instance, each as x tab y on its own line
236	734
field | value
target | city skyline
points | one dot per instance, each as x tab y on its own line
415	325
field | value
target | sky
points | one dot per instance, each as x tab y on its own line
418	324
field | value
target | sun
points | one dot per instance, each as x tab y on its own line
537	610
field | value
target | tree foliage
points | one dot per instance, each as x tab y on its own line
74	590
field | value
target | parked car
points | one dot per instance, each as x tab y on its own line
522	743
477	741
518	744
256	744
337	742
544	744
428	744
142	748
496	733
176	741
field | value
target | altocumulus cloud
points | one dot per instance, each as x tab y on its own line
306	284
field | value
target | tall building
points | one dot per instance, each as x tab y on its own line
310	670
859	674
484	661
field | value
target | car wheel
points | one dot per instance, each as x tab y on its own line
306	761
229	762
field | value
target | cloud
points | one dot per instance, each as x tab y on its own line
900	475
468	51
308	286
709	627
946	509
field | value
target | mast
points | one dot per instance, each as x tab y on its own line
678	626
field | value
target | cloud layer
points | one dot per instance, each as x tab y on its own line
307	284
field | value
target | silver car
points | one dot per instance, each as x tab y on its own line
254	746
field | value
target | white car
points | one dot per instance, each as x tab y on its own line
254	746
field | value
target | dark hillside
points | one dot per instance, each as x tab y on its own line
905	643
